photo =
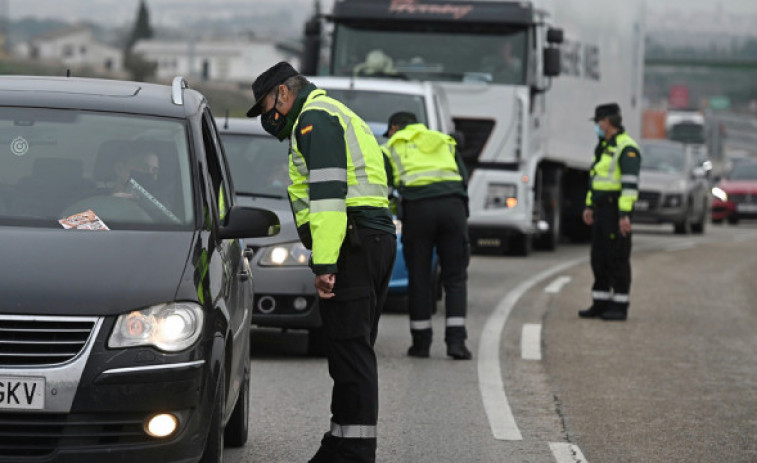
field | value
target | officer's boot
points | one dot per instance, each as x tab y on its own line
421	343
617	311
596	310
455	337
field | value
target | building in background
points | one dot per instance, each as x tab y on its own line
218	61
74	47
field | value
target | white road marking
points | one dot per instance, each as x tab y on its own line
530	342
557	285
501	420
567	453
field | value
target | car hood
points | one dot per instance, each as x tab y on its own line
738	186
661	181
56	272
280	206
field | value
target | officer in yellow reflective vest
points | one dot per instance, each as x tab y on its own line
613	190
338	194
431	179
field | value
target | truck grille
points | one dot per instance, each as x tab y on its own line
36	435
36	341
476	133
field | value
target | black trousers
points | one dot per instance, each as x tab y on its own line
610	257
439	223
350	320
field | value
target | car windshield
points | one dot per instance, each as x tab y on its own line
687	132
445	53
258	164
375	107
663	158
61	168
744	171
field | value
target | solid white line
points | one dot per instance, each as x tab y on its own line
501	420
557	285
530	342
567	453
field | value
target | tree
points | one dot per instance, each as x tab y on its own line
139	68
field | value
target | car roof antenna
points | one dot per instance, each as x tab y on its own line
226	122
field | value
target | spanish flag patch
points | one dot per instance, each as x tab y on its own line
307	129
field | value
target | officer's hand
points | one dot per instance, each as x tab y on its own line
325	285
625	225
588	216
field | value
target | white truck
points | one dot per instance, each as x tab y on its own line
528	142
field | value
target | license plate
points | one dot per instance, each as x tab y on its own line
746	207
17	393
641	205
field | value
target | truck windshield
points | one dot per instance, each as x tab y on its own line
76	169
426	52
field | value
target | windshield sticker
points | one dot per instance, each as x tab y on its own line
86	220
19	146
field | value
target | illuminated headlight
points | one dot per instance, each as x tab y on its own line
673	201
285	254
398	225
161	425
168	327
501	195
720	194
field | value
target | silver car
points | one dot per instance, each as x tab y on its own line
673	187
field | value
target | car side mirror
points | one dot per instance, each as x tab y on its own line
249	222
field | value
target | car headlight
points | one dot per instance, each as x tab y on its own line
673	201
720	194
169	327
285	254
501	195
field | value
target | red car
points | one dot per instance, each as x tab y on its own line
735	196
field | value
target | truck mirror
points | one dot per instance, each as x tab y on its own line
552	62
555	36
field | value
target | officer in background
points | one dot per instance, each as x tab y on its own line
341	211
613	190
431	179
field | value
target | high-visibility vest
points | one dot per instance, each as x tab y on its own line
365	177
420	157
606	175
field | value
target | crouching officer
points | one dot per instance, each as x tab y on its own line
613	190
425	167
338	194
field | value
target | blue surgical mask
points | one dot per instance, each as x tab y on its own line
600	132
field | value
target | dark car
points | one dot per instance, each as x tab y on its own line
673	187
126	295
735	195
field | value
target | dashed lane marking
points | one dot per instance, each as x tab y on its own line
567	453
557	285
530	342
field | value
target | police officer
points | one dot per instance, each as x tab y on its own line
431	179
613	190
338	194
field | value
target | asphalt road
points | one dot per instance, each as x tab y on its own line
677	382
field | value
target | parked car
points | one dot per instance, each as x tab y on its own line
735	195
673	187
125	308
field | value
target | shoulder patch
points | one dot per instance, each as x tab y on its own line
631	154
306	129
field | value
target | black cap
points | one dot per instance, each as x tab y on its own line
605	110
275	75
402	119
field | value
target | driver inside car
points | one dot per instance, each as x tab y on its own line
142	167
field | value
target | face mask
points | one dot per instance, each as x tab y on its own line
276	123
600	132
145	179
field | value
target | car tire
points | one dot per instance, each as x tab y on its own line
213	452
237	429
717	221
